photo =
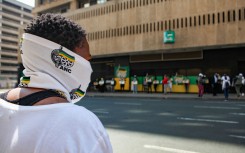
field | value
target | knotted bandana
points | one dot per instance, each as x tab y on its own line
48	65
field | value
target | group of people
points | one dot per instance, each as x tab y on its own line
102	85
224	82
217	83
147	84
150	81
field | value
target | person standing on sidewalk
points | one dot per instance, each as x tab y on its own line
149	83
155	84
238	84
200	84
214	82
113	83
40	114
170	83
122	83
165	84
135	85
226	85
102	85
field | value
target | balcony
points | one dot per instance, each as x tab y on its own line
9	68
9	23
9	61
9	30
6	53
9	46
9	38
15	17
15	10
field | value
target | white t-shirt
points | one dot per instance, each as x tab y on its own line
54	128
224	80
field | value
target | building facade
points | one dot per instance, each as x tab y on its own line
13	15
209	35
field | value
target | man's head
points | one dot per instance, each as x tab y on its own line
58	29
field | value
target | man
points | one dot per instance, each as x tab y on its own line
113	83
149	83
215	84
102	85
226	85
200	84
135	85
165	83
39	115
122	83
238	84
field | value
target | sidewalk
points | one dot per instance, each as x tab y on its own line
206	96
125	94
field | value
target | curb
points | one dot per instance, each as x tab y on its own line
161	96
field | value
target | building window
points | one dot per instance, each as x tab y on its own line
223	17
199	20
234	15
182	22
208	18
190	21
244	14
203	20
177	23
213	18
229	16
161	25
169	24
240	15
173	23
186	22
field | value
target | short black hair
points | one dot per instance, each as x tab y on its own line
58	29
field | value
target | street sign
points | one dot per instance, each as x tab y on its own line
169	37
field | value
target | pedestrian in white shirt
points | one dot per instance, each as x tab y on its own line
226	85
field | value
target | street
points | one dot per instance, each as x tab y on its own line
144	125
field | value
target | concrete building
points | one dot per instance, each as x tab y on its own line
209	35
13	15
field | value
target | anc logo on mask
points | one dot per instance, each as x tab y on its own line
24	81
62	60
76	93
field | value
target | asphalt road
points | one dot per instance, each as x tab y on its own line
171	126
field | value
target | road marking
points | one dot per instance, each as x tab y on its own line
149	100
118	103
242	105
168	149
237	136
207	120
98	98
98	111
213	107
242	114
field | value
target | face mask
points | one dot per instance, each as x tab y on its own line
48	65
